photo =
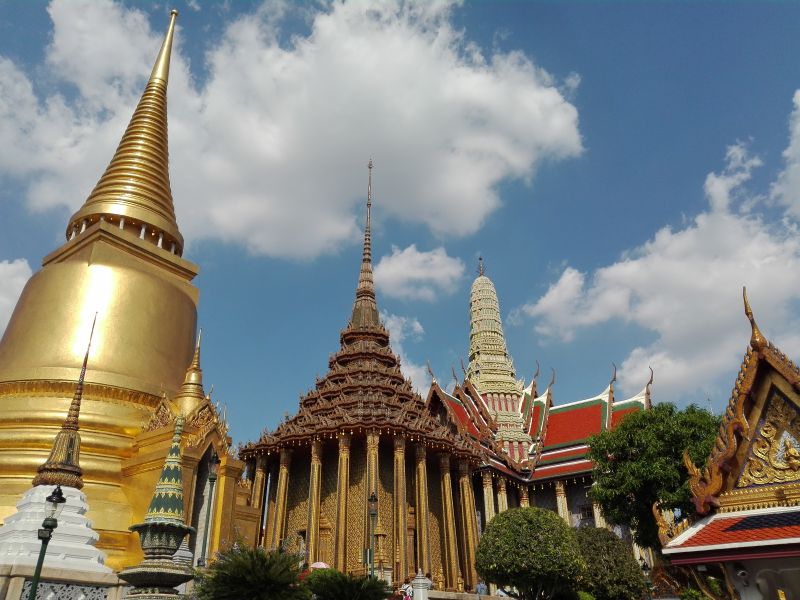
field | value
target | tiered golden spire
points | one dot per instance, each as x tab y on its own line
63	465
135	187
490	367
365	309
191	392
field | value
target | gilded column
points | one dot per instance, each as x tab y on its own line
400	510
502	495
448	517
270	521
342	489
469	520
524	501
259	481
488	496
314	490
280	498
599	519
561	502
422	513
373	440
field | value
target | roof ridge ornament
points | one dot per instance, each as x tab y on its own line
757	339
614	376
552	379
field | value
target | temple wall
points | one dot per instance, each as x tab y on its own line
330	467
297	500
435	516
357	507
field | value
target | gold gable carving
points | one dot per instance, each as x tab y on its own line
775	455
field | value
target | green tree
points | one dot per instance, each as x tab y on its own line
251	573
532	550
329	584
612	572
640	462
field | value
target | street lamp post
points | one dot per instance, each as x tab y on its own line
213	464
373	520
646	573
54	503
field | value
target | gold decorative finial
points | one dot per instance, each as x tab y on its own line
453	370
481	268
552	379
62	467
535	375
196	358
161	68
614	376
135	190
463	368
757	339
650	381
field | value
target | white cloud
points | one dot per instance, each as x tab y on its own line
13	276
402	329
269	151
787	187
413	275
684	286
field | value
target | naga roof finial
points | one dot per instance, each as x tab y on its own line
552	379
614	375
430	372
757	339
535	375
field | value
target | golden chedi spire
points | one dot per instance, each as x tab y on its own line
365	309
63	465
490	368
191	392
119	261
135	187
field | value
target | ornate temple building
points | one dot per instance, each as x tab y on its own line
744	541
440	468
361	431
121	263
534	452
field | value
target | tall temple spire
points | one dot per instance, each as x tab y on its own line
490	368
191	392
365	309
135	191
63	465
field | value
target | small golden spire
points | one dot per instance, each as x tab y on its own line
481	268
62	467
135	187
191	393
757	339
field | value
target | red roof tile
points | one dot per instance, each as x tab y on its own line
618	415
573	425
572	468
761	527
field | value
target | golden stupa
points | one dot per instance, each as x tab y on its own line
121	261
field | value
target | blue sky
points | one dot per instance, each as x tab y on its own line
623	169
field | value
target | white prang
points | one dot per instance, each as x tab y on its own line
72	546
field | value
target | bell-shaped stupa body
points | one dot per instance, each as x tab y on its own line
121	262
